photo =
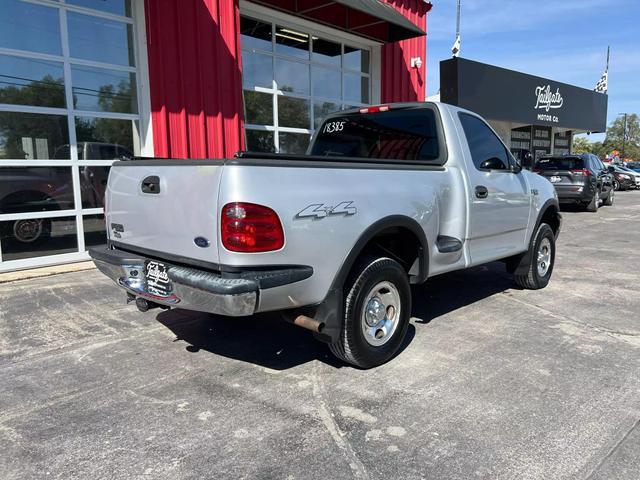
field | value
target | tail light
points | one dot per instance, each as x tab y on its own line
250	228
375	109
582	171
536	170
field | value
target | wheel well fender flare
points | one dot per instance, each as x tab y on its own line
392	221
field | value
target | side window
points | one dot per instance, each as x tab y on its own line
487	151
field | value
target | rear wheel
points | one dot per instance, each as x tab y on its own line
376	313
592	206
609	201
541	258
31	231
616	185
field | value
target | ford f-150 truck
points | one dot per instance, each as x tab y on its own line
386	196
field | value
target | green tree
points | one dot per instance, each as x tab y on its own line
581	145
616	136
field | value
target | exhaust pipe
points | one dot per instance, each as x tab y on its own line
308	323
145	305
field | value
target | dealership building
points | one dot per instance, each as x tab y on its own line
83	82
531	114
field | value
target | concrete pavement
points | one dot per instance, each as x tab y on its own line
494	382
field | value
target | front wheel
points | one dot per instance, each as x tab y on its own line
376	313
541	258
616	185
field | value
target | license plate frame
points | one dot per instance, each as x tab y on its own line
157	278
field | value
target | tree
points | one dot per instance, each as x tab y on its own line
581	145
617	139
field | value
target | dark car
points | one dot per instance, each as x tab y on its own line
581	179
623	178
635	166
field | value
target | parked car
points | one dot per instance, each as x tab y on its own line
635	166
581	179
37	189
387	196
624	178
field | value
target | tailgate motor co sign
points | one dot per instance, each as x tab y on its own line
548	100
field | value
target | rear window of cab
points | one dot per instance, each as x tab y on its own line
404	134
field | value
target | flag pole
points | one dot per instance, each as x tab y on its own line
458	19
608	47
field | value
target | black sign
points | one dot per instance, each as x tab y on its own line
500	94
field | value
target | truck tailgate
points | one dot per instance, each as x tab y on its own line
165	207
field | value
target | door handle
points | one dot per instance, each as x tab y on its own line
151	184
482	191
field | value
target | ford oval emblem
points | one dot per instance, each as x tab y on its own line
201	242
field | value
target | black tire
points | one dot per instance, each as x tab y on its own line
609	201
592	206
353	346
532	279
616	185
31	232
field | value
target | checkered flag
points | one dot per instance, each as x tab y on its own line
603	84
455	49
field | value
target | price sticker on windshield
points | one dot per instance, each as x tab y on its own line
333	127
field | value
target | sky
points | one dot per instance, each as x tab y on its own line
564	40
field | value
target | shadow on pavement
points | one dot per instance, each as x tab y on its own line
448	292
268	341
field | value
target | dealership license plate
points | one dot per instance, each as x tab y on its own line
555	179
158	282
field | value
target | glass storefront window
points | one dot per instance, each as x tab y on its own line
260	141
326	82
356	88
255	34
117	7
27	81
37	237
325	51
293	112
93	185
292	76
31	27
257	70
291	88
95	233
32	136
52	180
105	138
292	42
258	108
356	59
103	90
101	40
35	189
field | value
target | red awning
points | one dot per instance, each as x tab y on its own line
367	18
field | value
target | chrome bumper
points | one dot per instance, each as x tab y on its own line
192	289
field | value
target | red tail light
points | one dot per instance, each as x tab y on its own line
582	171
250	228
536	170
375	109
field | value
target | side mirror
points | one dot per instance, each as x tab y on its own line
493	163
610	169
516	167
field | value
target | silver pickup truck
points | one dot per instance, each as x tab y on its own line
387	196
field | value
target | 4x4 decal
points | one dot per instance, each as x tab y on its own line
320	210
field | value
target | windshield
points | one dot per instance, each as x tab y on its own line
563	163
394	134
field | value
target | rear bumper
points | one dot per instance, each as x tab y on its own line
192	288
574	192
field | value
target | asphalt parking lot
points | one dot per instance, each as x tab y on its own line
494	382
